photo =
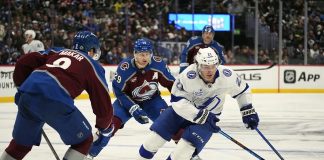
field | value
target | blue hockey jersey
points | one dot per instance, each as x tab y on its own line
193	45
133	86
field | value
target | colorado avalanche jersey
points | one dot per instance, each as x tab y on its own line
62	76
193	45
132	85
190	93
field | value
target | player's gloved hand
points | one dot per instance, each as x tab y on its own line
250	117
211	121
139	115
208	120
101	139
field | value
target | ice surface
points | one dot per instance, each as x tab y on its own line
293	123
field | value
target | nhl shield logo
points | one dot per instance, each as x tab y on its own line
290	76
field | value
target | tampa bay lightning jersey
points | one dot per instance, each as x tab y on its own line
63	74
132	85
192	47
190	93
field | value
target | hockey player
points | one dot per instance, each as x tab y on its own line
197	99
195	43
136	88
48	83
32	45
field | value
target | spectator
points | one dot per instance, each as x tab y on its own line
229	57
320	58
31	44
314	52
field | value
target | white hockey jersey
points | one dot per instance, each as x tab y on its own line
33	46
190	93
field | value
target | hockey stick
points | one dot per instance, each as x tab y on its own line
50	145
241	145
263	137
255	69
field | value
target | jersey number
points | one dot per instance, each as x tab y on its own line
63	63
117	77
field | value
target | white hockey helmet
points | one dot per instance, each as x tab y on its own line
206	56
31	33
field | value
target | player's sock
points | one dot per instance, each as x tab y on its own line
17	151
6	156
184	150
117	124
84	146
145	153
72	154
196	157
150	147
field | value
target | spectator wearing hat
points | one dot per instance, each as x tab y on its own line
197	42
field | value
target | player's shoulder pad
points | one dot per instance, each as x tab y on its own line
189	73
217	45
226	71
194	40
124	65
157	59
54	50
157	63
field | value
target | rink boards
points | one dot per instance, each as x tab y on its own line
277	79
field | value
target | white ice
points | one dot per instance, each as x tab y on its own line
293	123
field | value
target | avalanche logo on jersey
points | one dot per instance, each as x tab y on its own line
227	72
124	66
157	59
191	74
145	91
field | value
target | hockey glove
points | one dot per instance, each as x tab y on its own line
208	120
211	121
101	139
250	117
139	115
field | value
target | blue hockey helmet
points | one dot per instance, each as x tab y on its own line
85	41
143	45
208	28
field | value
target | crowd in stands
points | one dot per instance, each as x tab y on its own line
56	22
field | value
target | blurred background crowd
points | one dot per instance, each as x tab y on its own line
119	22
